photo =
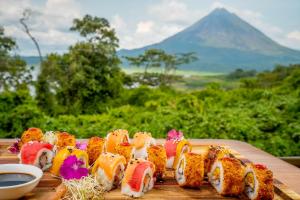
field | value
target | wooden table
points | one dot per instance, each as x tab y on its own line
283	171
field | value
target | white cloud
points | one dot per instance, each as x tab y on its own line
174	11
294	35
118	22
49	23
145	27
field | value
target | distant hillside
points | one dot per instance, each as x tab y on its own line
224	42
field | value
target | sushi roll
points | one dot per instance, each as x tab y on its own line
125	149
114	138
157	155
64	139
141	141
259	182
227	176
190	170
174	149
214	153
63	154
138	177
109	170
37	153
31	134
95	147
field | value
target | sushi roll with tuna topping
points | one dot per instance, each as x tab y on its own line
157	155
227	176
37	153
114	138
109	170
174	150
125	149
95	147
31	134
141	141
190	170
214	153
65	153
259	182
138	177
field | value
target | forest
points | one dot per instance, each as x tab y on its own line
85	92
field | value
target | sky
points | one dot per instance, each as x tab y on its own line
141	22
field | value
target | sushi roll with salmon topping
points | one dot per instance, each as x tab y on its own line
214	153
64	139
125	149
190	170
138	177
141	141
31	134
114	138
174	150
64	154
95	147
227	176
37	153
259	182
157	155
109	170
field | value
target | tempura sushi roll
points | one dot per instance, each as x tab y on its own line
65	153
64	139
31	134
109	170
138	177
259	182
190	170
125	149
37	153
214	153
141	141
174	149
114	138
95	147
157	155
227	176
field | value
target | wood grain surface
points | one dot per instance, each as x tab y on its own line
287	177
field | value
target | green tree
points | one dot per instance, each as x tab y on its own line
159	58
88	75
14	74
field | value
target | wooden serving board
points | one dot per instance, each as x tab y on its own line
49	186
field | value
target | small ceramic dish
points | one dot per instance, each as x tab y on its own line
19	190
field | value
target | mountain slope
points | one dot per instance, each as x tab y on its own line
224	42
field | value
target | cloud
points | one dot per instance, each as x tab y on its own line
145	27
174	11
48	23
118	22
294	35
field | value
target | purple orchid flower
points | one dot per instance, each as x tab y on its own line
174	135
14	148
72	168
81	145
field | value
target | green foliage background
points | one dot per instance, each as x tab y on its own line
267	117
84	92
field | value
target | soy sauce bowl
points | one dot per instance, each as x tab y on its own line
17	191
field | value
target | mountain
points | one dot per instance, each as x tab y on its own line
224	42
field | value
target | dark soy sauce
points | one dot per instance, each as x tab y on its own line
14	178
